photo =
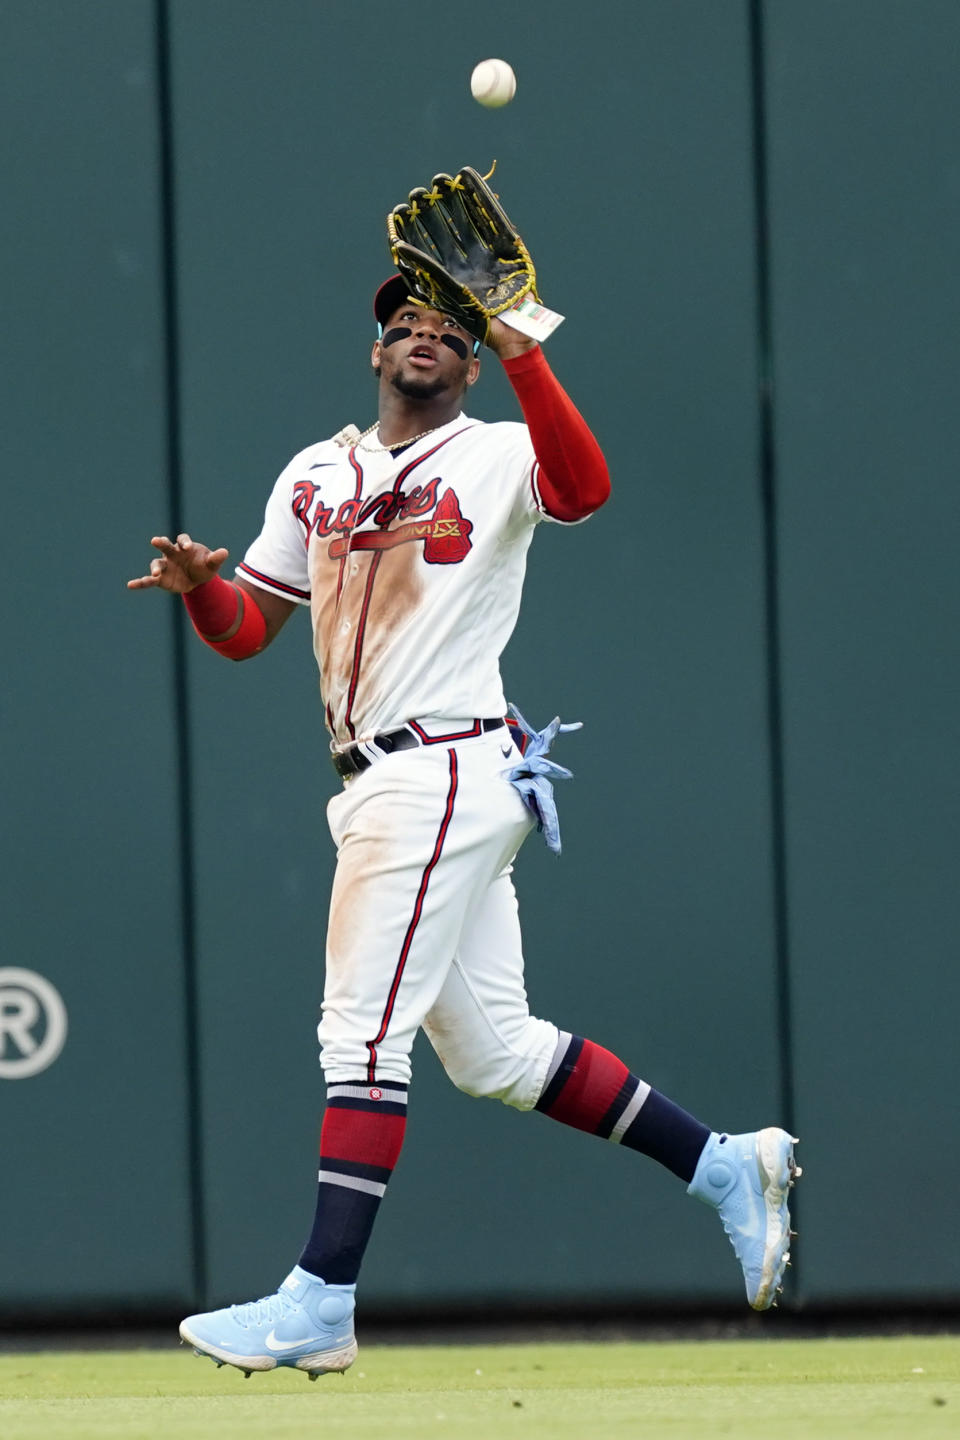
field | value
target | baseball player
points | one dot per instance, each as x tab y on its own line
408	542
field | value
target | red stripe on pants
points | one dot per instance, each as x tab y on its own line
414	919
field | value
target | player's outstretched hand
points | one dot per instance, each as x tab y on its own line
182	565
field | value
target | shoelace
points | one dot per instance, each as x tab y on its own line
268	1310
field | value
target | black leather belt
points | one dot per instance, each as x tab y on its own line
357	758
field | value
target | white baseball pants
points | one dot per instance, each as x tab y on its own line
423	927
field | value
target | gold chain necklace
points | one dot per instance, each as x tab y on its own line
386	449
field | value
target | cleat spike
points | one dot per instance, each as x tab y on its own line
247	1374
220	1364
313	1374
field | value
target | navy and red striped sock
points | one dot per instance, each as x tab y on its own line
360	1142
589	1088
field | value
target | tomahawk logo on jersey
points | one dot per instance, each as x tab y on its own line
412	565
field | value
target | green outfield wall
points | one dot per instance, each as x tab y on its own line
748	213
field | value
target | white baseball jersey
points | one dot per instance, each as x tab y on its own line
412	566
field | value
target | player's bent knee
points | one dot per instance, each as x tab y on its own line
513	1076
490	1087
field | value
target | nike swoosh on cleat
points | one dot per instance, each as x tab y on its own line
272	1343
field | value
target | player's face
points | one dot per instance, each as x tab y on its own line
424	353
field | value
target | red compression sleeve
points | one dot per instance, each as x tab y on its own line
573	480
213	607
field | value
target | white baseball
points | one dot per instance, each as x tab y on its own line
493	83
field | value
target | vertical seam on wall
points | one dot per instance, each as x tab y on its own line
768	490
181	698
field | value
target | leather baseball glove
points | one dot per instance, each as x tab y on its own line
456	248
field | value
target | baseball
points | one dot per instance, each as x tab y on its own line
493	83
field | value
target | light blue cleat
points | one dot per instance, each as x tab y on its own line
747	1178
306	1324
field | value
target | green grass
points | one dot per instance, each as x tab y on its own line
907	1388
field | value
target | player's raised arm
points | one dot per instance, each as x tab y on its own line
460	253
573	480
234	619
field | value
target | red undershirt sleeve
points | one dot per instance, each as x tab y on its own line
214	606
574	480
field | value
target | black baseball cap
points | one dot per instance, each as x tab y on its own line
390	296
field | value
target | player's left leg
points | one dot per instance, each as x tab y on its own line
746	1178
490	1045
480	1025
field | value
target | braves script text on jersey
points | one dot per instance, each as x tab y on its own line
412	565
